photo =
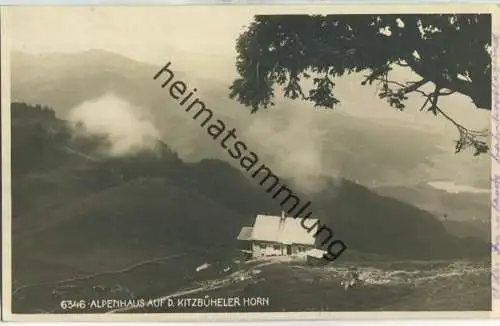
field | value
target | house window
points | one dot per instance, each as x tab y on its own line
276	247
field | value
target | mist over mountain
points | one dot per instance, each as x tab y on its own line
297	140
112	97
76	197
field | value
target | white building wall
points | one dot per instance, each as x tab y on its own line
256	252
300	249
261	249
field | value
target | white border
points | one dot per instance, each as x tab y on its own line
206	317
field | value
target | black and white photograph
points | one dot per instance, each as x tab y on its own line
196	160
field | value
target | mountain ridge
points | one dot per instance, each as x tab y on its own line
364	220
381	153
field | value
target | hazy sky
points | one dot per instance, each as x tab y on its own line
142	33
196	37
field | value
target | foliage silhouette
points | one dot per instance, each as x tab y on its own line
450	52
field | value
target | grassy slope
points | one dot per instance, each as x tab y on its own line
119	226
71	204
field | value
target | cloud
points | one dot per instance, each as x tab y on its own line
453	188
125	126
293	145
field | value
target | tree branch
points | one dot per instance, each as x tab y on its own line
455	84
467	137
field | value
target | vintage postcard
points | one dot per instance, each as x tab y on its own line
249	162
